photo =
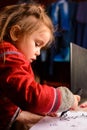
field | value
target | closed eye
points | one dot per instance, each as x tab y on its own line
39	43
36	44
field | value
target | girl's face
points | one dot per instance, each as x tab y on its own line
30	45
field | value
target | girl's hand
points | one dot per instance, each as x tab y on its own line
76	102
83	105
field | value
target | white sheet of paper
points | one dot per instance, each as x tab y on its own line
71	121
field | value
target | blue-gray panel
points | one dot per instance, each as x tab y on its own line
78	68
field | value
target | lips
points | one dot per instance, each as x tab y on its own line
33	59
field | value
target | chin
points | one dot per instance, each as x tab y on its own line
31	61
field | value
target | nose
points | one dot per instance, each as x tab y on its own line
38	51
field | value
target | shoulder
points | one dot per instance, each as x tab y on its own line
9	50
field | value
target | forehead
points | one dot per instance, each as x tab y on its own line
44	32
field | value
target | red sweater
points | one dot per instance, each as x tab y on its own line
19	89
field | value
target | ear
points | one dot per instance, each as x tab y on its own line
15	32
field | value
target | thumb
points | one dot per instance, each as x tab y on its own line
78	98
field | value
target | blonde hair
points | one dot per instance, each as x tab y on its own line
21	15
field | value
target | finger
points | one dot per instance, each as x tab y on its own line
83	105
78	98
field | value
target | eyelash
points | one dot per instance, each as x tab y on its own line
37	44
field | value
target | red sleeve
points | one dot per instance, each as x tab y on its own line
19	85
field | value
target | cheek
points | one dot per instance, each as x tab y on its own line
29	52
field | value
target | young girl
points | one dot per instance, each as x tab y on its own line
24	30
